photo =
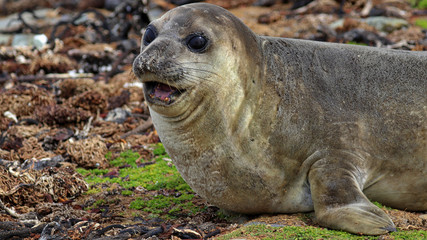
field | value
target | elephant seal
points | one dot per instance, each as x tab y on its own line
258	124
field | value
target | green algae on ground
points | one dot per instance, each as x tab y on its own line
127	157
382	206
159	150
91	172
412	234
421	4
97	204
161	175
263	231
172	205
127	193
420	22
356	43
157	178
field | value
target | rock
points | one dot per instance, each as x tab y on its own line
117	115
10	115
112	4
42	163
337	24
40	40
366	37
265	3
5	39
24	40
46	17
380	23
182	2
386	24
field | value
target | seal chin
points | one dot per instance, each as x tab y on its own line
158	93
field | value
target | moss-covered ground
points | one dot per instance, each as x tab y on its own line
421	22
421	4
308	233
162	191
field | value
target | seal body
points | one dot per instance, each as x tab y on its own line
272	125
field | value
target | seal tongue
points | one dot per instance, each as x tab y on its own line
163	91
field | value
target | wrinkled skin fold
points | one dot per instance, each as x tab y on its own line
274	125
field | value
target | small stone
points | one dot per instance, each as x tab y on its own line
39	164
117	115
386	24
39	41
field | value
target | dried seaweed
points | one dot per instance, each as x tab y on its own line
51	63
30	187
87	153
92	101
71	87
32	148
60	114
23	99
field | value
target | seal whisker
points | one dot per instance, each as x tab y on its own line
196	79
204	71
199	70
182	64
192	63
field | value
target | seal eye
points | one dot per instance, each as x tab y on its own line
149	36
197	43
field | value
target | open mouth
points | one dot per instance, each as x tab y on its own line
162	93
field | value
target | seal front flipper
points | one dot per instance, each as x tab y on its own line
336	181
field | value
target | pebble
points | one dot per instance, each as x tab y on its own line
383	24
47	17
386	24
117	115
23	40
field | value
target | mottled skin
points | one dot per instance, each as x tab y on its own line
275	125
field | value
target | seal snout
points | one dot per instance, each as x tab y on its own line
142	65
159	79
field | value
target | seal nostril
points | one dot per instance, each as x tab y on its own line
137	66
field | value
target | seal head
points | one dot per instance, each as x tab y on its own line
177	52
